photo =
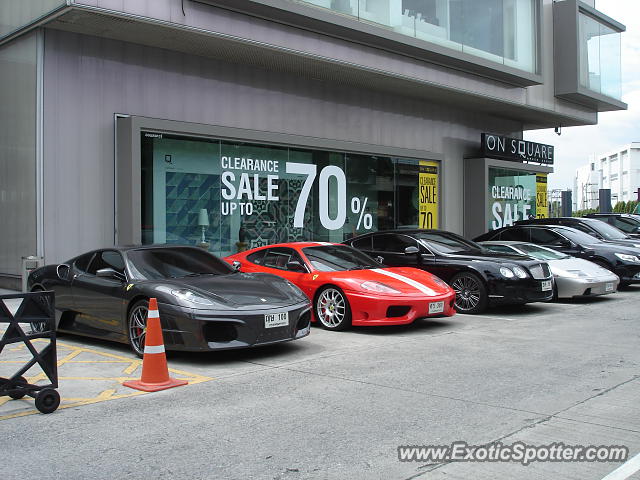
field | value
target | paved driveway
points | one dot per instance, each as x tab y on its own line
338	405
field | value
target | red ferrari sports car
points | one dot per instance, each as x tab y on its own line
348	287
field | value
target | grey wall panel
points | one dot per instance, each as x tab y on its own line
209	18
18	77
17	13
88	80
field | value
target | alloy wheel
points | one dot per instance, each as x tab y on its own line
468	293
331	308
138	327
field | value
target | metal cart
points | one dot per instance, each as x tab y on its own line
38	311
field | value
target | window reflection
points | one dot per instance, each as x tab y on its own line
504	31
600	57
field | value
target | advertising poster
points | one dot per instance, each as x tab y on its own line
542	204
428	194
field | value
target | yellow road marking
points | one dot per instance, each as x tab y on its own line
72	352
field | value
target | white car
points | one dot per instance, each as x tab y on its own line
574	277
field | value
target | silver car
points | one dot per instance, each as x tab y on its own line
574	277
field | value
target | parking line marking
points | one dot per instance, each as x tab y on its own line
123	367
625	470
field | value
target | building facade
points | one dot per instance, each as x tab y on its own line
234	123
617	170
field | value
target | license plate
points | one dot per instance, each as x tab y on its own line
546	285
272	320
436	307
608	287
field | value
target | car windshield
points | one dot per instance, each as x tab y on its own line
628	224
578	236
540	253
446	242
335	258
159	263
608	231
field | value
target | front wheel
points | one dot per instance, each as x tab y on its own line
332	309
137	326
471	294
47	400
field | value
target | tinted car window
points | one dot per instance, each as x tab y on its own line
515	234
159	263
392	243
363	243
543	236
499	248
337	258
625	224
107	259
579	237
82	262
257	257
279	258
447	242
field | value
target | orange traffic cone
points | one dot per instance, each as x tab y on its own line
155	373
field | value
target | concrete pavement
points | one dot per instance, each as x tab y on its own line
338	404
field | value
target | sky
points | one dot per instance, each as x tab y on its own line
614	129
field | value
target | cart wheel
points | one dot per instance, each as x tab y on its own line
47	400
19	395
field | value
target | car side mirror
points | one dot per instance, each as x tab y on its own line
379	259
566	244
411	250
296	266
110	273
236	265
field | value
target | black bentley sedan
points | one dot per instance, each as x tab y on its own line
204	303
622	260
479	277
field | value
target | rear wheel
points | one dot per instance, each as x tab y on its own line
471	294
38	327
332	309
137	326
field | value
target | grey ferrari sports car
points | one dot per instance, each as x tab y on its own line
204	303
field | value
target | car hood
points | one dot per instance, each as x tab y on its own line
494	257
406	280
584	268
240	290
631	243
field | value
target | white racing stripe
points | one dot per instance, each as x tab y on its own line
324	243
154	349
153	314
625	470
407	280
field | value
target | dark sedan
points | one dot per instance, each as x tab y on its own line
592	226
204	303
480	278
622	260
627	222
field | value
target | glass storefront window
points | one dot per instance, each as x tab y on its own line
600	57
512	197
229	196
504	31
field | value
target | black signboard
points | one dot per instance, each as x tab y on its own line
515	150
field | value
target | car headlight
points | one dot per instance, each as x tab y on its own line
520	272
506	272
378	287
627	258
191	297
438	281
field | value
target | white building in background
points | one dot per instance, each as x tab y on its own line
618	170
